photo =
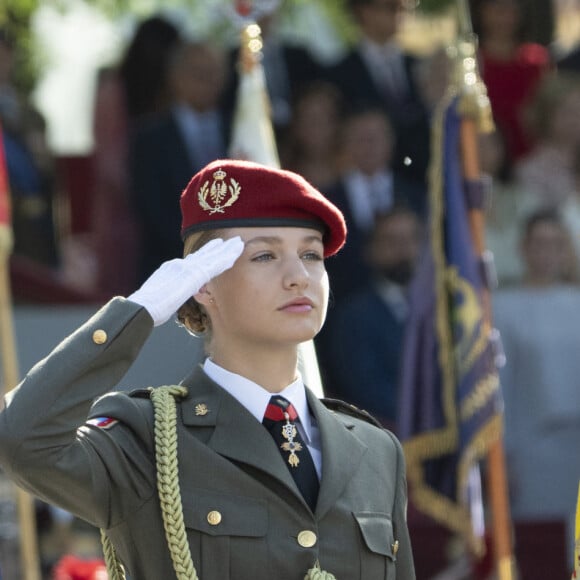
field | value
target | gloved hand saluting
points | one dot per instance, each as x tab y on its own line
175	281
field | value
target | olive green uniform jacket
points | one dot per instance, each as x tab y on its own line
228	463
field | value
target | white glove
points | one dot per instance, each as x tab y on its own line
175	281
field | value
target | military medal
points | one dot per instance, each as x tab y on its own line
289	432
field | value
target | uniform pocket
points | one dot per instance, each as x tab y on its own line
227	534
378	555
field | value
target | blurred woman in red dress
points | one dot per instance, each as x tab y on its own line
511	68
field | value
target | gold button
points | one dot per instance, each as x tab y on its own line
307	539
214	518
99	337
395	547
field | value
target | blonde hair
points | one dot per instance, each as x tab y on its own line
192	315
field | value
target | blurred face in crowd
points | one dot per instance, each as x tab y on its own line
565	122
547	253
315	123
500	17
368	142
394	246
379	19
197	76
433	75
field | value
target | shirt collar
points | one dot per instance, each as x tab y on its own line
255	398
394	296
382	179
186	115
391	292
358	191
374	50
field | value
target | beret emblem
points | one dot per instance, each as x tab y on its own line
220	194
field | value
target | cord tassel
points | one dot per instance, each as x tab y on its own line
317	574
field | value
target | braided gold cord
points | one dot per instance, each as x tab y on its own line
115	570
163	399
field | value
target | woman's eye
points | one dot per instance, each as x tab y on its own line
265	257
313	256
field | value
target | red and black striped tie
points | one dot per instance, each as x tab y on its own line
279	419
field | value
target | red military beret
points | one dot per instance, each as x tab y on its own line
232	193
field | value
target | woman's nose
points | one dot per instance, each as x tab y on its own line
296	274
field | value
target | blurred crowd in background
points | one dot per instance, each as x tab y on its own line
359	129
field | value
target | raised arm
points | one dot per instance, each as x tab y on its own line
45	445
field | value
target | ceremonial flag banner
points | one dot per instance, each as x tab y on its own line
252	132
450	411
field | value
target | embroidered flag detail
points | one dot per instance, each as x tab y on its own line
102	422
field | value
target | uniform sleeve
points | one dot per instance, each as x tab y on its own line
405	565
45	445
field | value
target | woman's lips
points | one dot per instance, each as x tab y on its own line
298	305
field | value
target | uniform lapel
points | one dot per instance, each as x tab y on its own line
342	452
237	434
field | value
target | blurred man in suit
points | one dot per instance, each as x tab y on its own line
167	149
363	345
378	72
369	185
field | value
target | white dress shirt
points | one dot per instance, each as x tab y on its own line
368	195
394	297
201	133
385	63
255	399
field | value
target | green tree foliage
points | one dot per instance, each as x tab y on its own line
15	24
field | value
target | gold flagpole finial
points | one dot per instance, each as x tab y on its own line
473	99
250	47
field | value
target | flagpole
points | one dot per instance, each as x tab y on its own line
576	570
24	503
477	117
7	343
496	474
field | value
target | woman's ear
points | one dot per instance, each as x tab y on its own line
203	296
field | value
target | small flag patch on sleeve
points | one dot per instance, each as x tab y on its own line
102	422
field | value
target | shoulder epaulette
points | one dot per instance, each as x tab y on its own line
348	409
141	393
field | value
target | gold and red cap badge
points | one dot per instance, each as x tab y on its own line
233	193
